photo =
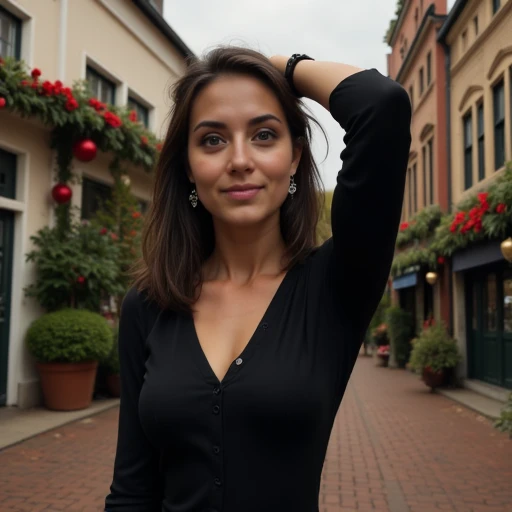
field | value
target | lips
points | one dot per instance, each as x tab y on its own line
243	192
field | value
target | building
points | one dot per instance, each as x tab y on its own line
129	55
478	42
417	62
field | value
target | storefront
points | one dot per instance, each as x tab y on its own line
488	304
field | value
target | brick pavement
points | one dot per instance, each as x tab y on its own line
395	447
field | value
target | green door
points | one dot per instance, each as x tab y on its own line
7	189
489	307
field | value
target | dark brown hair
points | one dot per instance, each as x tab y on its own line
177	238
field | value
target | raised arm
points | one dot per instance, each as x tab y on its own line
135	486
375	112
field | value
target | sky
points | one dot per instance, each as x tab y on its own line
346	31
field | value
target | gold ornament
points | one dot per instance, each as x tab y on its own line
125	180
506	249
431	278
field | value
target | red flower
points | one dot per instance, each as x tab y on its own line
113	236
2	102
501	208
404	226
460	217
97	105
57	87
478	226
24	83
36	73
34	84
80	279
482	197
136	215
144	140
71	105
133	116
133	232
441	260
103	231
48	88
159	146
66	91
112	120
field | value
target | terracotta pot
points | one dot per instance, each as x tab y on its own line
432	379
67	386
114	385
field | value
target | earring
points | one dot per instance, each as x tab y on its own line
193	198
293	186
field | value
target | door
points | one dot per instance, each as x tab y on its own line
6	236
7	189
489	307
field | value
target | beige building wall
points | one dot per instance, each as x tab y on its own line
479	60
62	37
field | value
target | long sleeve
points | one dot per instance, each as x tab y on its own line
375	112
135	486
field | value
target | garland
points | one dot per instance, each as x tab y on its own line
482	216
420	226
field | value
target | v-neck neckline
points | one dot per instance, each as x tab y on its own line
262	326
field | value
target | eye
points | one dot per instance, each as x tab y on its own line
265	135
211	141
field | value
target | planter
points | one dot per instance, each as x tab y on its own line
67	386
381	360
432	379
114	385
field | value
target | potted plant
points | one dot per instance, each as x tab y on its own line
400	332
112	368
67	345
383	355
433	353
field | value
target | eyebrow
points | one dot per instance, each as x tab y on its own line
254	121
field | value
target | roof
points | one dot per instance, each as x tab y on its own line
430	15
453	16
158	20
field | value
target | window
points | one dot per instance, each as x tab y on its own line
8	162
94	195
416	16
475	25
10	35
499	125
495	6
409	191
429	68
464	37
430	145
481	141
101	87
411	91
422	79
141	111
468	151
143	206
413	203
424	164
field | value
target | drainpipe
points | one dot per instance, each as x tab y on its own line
447	69
63	29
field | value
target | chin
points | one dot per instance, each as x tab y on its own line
246	216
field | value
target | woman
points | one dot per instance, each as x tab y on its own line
239	338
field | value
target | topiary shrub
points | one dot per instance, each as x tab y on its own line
400	332
70	336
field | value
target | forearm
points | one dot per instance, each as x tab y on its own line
316	79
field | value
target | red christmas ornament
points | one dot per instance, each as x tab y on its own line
441	260
80	279
61	193
2	102
85	150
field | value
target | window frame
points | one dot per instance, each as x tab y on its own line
498	123
430	156
468	149
17	37
138	107
496	4
480	138
429	68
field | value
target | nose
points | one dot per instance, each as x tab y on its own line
241	159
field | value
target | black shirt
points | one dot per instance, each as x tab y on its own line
256	441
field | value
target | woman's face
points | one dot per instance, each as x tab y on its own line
240	151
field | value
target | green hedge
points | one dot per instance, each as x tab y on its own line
70	336
400	332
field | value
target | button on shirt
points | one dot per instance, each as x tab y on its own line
257	440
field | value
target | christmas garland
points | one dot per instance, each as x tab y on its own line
481	216
421	226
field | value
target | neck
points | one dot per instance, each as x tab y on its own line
243	253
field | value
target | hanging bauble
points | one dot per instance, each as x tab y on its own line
85	150
431	278
506	249
125	180
61	193
3	102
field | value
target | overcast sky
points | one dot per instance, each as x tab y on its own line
341	30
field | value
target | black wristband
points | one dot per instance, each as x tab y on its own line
290	68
